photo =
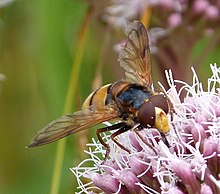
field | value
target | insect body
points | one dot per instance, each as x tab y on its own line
132	101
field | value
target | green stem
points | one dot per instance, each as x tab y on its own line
69	101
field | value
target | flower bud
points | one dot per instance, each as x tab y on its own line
134	142
205	189
174	20
106	182
129	179
183	170
212	12
199	6
143	168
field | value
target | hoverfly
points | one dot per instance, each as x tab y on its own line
133	101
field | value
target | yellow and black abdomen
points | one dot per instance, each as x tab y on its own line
97	99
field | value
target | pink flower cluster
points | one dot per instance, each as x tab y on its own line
187	162
170	12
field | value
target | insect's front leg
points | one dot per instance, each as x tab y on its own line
137	131
164	139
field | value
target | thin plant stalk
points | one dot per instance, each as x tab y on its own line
97	82
69	100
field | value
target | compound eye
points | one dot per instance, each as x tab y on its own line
146	114
160	101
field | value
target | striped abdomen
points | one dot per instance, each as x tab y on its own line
97	99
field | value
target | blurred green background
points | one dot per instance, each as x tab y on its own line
37	47
38	42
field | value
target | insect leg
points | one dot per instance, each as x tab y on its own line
164	139
136	130
102	130
120	131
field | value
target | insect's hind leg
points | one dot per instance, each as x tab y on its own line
120	131
105	129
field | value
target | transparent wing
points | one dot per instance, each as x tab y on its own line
134	57
69	124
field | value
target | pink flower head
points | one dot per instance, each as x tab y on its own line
188	164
